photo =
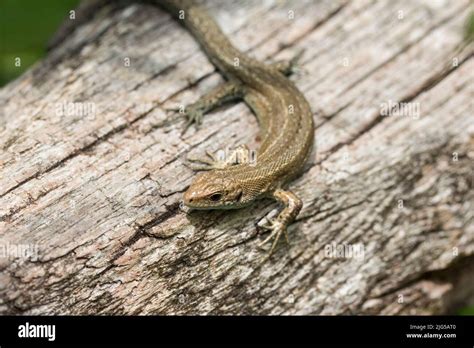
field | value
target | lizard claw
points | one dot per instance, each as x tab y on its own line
175	109
291	66
197	167
277	228
193	115
205	163
295	66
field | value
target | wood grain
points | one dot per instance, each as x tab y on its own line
92	166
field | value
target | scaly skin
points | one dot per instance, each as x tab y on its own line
283	113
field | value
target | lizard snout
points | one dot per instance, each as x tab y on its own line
189	197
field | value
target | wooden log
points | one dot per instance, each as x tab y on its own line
92	166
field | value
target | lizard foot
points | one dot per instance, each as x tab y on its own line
240	155
278	225
295	63
291	66
277	228
208	162
193	113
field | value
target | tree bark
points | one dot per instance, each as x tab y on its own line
92	166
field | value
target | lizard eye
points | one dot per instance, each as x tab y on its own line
215	197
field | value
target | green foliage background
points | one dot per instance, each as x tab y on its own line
467	311
26	26
469	33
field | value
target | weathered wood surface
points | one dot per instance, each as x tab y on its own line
94	195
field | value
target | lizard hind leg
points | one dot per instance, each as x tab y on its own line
289	67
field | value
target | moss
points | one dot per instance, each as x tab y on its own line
469	31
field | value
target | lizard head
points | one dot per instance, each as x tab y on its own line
214	190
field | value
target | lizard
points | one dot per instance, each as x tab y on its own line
284	116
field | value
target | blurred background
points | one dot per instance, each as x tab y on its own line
26	26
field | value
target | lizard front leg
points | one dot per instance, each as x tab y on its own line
278	226
239	155
229	91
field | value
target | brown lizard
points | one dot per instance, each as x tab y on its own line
284	117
